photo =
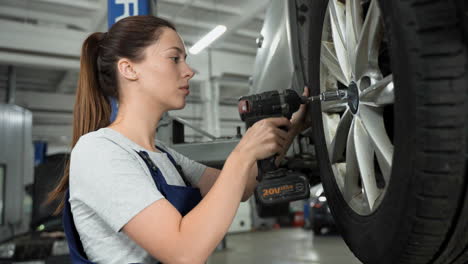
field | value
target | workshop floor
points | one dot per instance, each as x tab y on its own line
283	246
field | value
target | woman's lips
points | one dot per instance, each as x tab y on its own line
185	89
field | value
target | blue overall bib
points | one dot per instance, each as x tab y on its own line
184	199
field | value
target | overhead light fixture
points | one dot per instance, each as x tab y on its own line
208	39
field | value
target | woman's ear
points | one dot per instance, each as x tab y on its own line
127	69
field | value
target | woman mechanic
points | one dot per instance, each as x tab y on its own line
123	197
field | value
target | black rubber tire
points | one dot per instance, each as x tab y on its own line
424	215
462	6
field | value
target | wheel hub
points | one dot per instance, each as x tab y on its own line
353	97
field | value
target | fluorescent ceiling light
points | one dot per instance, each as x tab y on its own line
208	39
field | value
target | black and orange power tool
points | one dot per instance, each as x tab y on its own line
279	186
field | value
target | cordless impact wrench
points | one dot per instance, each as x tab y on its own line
279	185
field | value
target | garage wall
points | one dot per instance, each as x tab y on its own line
44	47
49	94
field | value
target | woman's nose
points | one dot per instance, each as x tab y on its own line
189	72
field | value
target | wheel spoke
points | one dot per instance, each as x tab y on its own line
334	107
385	166
331	62
379	94
356	11
368	46
365	160
353	29
337	19
373	122
338	144
351	181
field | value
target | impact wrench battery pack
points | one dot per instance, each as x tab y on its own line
291	187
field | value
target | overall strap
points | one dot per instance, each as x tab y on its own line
77	253
177	166
153	168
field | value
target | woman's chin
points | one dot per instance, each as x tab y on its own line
179	106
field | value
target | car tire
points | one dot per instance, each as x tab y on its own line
423	217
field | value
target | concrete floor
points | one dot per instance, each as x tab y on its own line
283	246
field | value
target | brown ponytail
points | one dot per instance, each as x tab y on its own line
98	78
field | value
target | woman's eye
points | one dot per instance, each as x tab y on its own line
176	59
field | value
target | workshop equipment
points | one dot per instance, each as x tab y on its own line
278	186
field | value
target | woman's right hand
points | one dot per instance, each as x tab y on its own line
264	139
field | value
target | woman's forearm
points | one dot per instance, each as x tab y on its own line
205	226
251	183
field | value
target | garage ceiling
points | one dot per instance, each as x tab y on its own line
28	29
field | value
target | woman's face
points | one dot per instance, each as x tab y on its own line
164	75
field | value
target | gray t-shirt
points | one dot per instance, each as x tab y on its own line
110	184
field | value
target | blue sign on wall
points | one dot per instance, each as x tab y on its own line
118	9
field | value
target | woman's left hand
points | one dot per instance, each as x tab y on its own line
299	120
